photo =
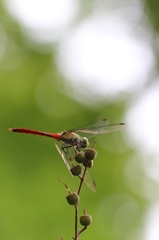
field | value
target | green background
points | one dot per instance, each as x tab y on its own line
32	200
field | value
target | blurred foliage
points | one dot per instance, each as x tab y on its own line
33	204
152	7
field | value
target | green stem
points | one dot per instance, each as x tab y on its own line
76	222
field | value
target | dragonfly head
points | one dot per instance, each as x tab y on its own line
84	142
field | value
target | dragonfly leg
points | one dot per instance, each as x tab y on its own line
64	148
74	147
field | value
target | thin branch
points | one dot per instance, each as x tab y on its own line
82	179
82	230
76	222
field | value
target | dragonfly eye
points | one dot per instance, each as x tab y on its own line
84	142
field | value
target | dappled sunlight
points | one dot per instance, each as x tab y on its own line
143	131
139	180
151	222
101	58
43	21
151	168
104	57
143	121
118	216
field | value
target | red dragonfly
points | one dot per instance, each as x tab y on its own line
70	139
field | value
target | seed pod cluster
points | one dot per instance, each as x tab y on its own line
86	157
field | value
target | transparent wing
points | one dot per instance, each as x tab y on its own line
89	180
68	158
92	127
63	155
100	127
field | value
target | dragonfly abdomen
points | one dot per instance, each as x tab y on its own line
35	132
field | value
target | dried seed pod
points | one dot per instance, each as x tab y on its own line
76	170
90	154
88	163
80	157
72	198
85	220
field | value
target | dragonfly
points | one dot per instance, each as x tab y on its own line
69	141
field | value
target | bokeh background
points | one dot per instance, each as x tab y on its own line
63	64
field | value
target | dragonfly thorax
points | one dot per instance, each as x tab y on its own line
73	139
81	142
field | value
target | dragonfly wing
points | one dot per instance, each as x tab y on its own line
113	128
64	156
103	128
92	127
68	158
89	180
